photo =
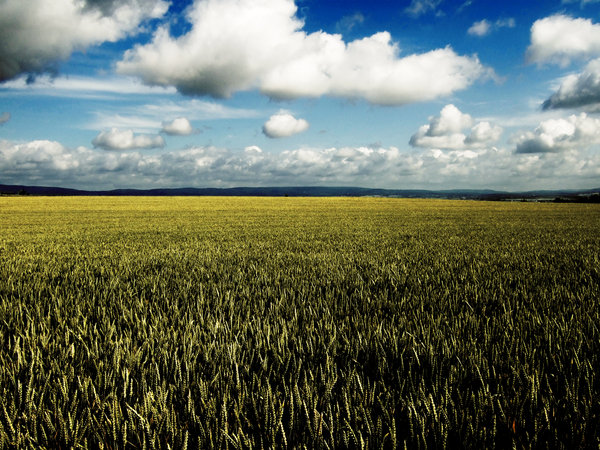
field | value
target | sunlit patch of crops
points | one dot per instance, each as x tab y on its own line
280	322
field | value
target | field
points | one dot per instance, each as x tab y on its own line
298	322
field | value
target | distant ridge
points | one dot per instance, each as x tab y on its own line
589	195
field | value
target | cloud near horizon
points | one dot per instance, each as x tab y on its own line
445	131
37	34
283	124
50	163
237	45
115	139
559	135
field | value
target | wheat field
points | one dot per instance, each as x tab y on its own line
200	322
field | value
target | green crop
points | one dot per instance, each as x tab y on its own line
298	322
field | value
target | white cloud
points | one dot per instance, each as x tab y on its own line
284	124
485	27
560	39
139	123
148	117
50	163
482	134
582	2
75	86
4	117
115	139
238	45
446	131
196	109
420	7
506	23
180	126
36	34
481	28
558	135
347	23
578	90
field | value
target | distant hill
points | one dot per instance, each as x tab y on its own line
590	195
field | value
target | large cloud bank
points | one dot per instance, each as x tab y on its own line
50	163
238	45
35	34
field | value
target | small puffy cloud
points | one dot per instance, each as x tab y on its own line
560	39
4	117
557	135
481	28
419	7
36	34
578	90
446	131
236	45
115	139
180	126
485	27
284	124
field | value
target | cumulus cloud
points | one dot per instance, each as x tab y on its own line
560	39
485	27
283	124
4	117
578	90
236	45
180	126
115	139
446	131
558	135
50	163
36	34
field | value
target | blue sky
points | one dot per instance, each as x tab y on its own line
433	94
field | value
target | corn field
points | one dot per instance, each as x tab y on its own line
326	323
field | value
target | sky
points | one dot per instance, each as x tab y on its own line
401	94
